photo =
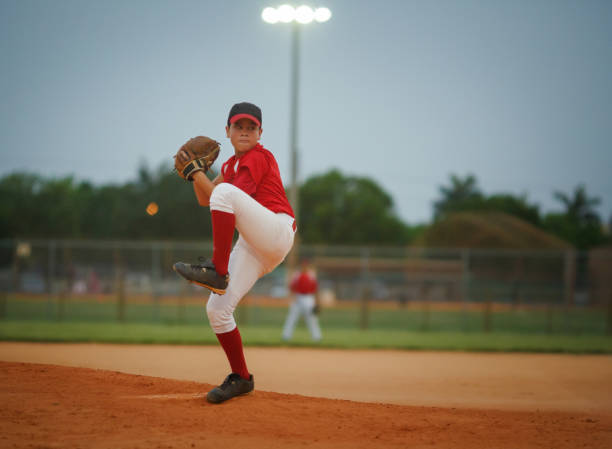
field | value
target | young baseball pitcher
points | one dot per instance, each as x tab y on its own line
248	195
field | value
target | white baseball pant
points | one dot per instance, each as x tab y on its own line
265	239
302	305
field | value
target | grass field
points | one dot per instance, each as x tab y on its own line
333	338
349	315
392	327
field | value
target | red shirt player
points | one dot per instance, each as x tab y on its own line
304	282
248	195
304	286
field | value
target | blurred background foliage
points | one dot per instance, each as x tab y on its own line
334	209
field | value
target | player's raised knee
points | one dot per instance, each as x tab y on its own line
221	197
220	317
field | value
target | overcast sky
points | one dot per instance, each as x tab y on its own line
518	93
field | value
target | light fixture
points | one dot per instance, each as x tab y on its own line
269	15
286	13
302	14
322	14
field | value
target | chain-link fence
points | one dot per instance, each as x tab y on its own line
415	288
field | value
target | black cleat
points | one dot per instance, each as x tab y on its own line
203	274
232	386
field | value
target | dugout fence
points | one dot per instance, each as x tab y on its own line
364	287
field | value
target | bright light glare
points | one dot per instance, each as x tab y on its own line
270	15
286	13
304	14
322	14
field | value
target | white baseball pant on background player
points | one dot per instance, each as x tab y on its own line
264	242
303	305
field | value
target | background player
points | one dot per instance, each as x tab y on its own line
248	195
304	286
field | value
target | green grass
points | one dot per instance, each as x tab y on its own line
576	321
147	333
576	330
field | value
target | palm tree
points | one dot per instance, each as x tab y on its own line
457	194
580	207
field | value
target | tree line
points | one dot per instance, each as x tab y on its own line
577	223
334	209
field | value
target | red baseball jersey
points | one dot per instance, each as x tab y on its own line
256	173
304	283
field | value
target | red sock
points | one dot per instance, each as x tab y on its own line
232	345
223	224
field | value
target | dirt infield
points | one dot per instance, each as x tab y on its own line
485	400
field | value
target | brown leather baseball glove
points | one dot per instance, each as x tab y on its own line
197	154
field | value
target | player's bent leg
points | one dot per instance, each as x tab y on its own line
244	270
269	234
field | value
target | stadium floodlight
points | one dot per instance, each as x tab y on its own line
322	14
304	14
270	15
286	13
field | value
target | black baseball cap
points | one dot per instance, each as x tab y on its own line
244	110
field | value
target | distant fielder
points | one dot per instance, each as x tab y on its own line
304	286
248	195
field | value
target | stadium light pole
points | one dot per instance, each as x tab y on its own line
296	16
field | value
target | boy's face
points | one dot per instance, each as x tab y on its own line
244	135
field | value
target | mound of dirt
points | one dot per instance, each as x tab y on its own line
487	230
52	406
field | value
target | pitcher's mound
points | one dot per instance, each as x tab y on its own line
52	406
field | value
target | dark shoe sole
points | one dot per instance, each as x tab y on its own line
224	400
218	291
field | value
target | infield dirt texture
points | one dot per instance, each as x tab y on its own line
74	396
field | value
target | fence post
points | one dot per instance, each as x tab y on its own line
569	277
5	288
2	303
66	284
364	310
609	320
365	289
549	316
181	302
465	286
15	270
519	274
120	284
50	277
487	311
426	316
155	277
